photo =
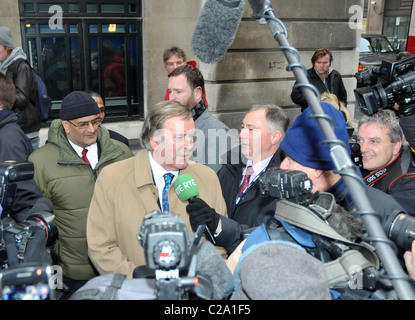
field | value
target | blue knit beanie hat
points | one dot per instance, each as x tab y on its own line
302	143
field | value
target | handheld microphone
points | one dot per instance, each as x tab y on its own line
216	28
187	189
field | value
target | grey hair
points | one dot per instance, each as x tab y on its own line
384	118
276	117
156	117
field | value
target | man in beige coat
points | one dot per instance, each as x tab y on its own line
126	191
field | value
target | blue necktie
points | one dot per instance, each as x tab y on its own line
168	177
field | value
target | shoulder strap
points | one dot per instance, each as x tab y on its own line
111	292
407	159
16	65
344	267
303	218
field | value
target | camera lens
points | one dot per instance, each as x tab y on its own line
44	220
402	231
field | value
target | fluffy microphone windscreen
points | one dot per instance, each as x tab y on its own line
216	28
210	265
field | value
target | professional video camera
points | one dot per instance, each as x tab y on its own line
169	251
367	77
24	246
396	84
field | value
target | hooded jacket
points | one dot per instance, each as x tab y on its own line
26	90
69	183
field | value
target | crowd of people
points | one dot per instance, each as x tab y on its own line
101	192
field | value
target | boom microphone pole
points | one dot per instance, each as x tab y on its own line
263	12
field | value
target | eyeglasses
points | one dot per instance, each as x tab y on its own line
83	125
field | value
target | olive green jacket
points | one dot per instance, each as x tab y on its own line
69	183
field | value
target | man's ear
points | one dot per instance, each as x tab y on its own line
65	125
276	137
397	148
154	143
198	92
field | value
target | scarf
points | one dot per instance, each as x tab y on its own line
198	109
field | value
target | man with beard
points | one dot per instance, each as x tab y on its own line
213	137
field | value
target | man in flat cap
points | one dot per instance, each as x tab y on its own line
66	169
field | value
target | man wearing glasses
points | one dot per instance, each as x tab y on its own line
66	169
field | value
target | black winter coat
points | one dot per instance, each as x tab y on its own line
15	145
336	87
400	180
26	94
246	211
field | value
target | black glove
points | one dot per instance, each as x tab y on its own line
200	213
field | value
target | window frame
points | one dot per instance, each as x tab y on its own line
134	110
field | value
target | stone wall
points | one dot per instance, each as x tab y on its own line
254	69
9	16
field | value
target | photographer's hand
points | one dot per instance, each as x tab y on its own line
409	257
200	213
233	259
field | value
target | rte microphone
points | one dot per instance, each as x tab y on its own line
216	28
186	189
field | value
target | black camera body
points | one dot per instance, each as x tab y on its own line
169	251
356	154
367	76
285	184
10	173
396	84
24	246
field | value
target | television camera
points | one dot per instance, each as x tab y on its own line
24	246
396	85
170	252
